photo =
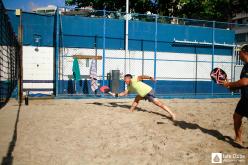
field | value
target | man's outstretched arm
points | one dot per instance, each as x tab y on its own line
140	78
237	84
124	93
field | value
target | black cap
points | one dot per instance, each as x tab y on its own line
128	75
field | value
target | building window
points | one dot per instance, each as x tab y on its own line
241	37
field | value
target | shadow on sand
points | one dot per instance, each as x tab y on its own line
182	124
215	133
117	104
8	158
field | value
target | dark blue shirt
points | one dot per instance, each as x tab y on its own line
244	74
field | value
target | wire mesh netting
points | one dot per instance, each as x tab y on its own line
179	53
9	53
75	51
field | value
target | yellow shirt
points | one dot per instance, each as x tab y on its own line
138	87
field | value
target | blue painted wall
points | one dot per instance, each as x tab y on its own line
81	32
164	87
34	24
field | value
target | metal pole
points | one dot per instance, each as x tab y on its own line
57	54
63	51
232	66
213	42
20	40
196	69
103	47
143	62
155	51
95	46
126	36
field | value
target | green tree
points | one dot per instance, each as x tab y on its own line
167	8
219	10
139	6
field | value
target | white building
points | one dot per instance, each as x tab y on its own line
50	9
241	31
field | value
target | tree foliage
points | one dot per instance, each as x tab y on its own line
139	6
220	10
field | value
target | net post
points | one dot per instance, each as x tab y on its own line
20	41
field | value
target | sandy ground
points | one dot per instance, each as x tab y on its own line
78	132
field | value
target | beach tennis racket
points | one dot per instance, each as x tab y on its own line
218	75
106	89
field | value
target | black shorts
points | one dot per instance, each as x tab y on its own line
150	96
242	108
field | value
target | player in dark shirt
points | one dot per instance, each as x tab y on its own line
242	107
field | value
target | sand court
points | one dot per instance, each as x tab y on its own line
103	131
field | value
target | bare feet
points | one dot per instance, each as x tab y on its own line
238	141
132	110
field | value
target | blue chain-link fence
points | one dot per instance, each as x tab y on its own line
179	53
59	49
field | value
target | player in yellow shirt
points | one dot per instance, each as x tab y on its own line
144	91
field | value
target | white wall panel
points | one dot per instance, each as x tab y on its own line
38	65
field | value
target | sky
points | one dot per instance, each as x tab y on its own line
28	5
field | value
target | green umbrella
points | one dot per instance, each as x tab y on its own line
75	69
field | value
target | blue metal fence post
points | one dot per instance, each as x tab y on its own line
213	42
103	47
57	53
155	51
